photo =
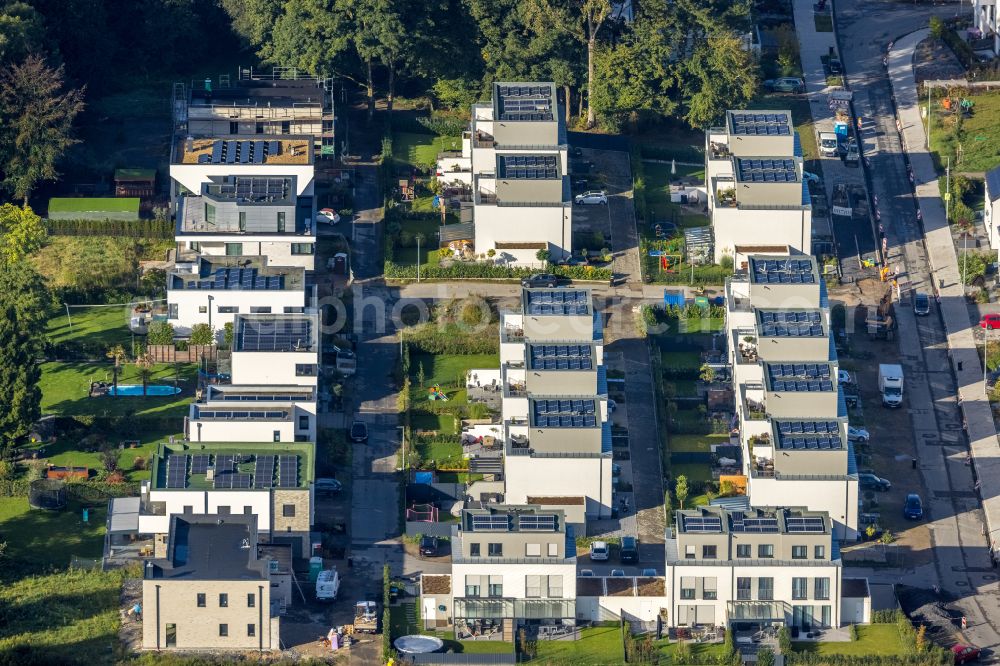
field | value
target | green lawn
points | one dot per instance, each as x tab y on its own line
681	361
66	452
597	646
684	388
402	623
98	204
39	540
448	372
696	443
873	639
105	326
693	471
979	135
444	452
442	422
658	196
421	150
68	617
801	117
65	387
407	255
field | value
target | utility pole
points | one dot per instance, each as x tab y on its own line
947	192
928	116
418	257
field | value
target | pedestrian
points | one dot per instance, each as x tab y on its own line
965	623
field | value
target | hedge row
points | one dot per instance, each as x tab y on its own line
130	228
484	271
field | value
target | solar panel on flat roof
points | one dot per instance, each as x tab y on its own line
199	463
527	167
491	522
800	524
216	152
760	124
273	148
758	525
539	522
241	480
696	524
557	302
276	335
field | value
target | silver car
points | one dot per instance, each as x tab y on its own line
593	197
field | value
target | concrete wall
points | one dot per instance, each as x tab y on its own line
533	476
190	302
527	133
816	404
724	579
809	462
837	496
604	609
277	250
273	367
525	190
565	440
735	226
794	349
856	610
175	602
769	194
558	327
562	382
784	296
213	430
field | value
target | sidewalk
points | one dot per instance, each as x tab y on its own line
964	358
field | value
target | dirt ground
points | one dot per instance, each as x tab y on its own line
937	61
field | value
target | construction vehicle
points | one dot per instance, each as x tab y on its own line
882	325
366	617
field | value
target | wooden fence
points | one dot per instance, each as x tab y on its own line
193	354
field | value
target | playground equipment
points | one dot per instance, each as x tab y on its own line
435	393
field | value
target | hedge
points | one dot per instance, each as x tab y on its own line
450	339
129	228
484	271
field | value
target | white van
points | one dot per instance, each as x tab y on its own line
829	145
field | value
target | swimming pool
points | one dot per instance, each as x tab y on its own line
136	389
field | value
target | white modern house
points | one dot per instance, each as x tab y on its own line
790	406
554	431
984	19
248	413
757	196
248	215
276	350
512	567
514	169
754	568
214	290
991	208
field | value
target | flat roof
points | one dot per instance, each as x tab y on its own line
783	270
535	101
560	301
560	357
238	150
276	333
235	273
804	323
528	167
564	413
247	393
251	190
502	518
759	123
766	170
761	520
210	547
235	465
808	435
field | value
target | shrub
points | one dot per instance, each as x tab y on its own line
638	183
160	228
937	27
681	653
160	333
228	335
202	334
784	640
854	632
765	657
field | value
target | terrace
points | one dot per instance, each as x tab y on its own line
236	150
275	333
233	466
237	273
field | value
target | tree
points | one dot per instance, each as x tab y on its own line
202	334
719	75
160	333
706	373
22	31
24	302
109	457
21	233
937	27
37	117
681	490
765	657
144	363
543	255
116	354
227	335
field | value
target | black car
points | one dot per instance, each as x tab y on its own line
540	280
874	482
629	553
359	432
921	304
428	546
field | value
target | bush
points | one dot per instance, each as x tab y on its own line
443	125
161	228
937	27
638	183
784	640
485	271
202	334
160	333
765	657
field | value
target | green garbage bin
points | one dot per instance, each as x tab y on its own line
315	566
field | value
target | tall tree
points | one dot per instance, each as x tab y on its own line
24	301
37	116
720	74
21	233
22	31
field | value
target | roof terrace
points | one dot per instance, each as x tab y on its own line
229	273
236	150
233	466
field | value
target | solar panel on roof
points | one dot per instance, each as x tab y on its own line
758	525
199	463
216	152
801	524
695	524
490	522
541	522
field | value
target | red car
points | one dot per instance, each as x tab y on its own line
965	653
990	321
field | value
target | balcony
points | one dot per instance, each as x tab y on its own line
718	150
513	334
483	140
725	197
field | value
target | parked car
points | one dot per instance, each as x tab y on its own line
857	434
540	280
592	197
629	553
428	546
921	304
990	321
586	573
965	653
835	66
866	480
330	486
810	177
913	509
844	377
789	84
599	551
617	573
649	572
359	432
327	216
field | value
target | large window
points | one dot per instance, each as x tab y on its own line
800	552
495	550
305	370
819	552
474	550
209	214
708	552
172	311
743	550
822	588
243	220
303	248
743	589
304	422
533	587
687	587
555	587
799	588
765	551
765	589
234	249
472	586
281	222
709	589
229	309
496	586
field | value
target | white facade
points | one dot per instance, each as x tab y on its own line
280	251
534	476
204	502
741	228
224	422
984	19
192	306
295	365
991	208
514	577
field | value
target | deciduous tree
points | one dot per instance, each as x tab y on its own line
21	233
38	115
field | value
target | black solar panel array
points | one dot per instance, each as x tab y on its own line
561	357
765	525
525	103
565	413
805	524
177	471
238	279
200	463
241	152
263	471
813	443
275	335
288	471
537	522
785	324
767	171
761	124
557	302
492	522
783	271
802	386
808	427
696	524
534	167
799	370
